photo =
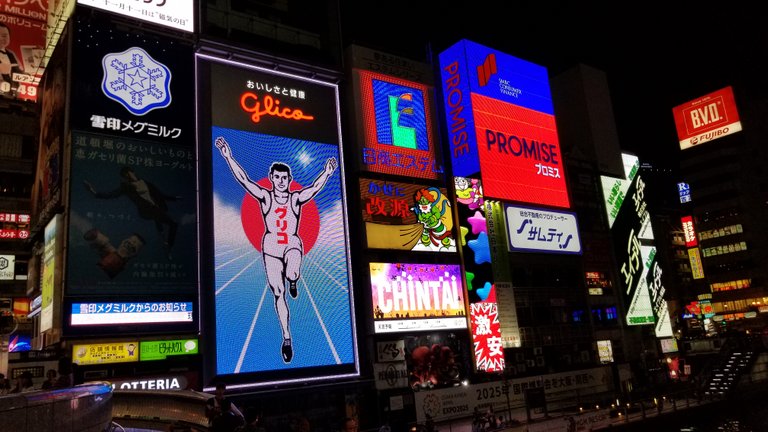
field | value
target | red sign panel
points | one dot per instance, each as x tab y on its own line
689	232
22	45
707	118
519	153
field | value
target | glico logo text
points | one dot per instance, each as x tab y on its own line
250	103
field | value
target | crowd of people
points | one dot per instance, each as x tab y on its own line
224	416
62	377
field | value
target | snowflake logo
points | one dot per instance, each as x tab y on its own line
136	80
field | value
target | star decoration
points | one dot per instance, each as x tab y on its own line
463	233
470	276
481	248
478	223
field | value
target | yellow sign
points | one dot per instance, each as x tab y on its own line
116	352
696	267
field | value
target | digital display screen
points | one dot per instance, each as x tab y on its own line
398	126
278	257
405	216
413	297
501	124
85	314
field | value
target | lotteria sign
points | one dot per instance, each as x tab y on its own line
501	123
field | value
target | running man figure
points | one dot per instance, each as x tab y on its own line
281	245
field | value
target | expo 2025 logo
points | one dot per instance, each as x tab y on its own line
136	80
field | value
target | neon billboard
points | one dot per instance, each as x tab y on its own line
398	126
707	118
501	124
405	216
278	256
413	297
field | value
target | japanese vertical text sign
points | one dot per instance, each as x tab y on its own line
707	118
280	253
130	86
640	271
501	123
398	126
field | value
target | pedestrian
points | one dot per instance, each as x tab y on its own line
24	383
51	378
5	385
227	420
214	405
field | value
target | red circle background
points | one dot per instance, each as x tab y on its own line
253	221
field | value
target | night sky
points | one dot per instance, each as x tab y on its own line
656	54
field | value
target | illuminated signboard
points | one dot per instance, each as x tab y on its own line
7	267
684	190
279	256
14	226
51	271
633	241
160	350
22	39
405	216
179	15
668	345
398	126
87	314
414	297
501	124
605	351
707	118
697	268
540	230
688	231
486	335
105	353
133	85
165	382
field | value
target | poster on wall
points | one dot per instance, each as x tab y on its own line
279	258
404	216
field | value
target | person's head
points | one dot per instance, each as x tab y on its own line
51	374
280	176
25	379
220	389
350	425
5	36
127	174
